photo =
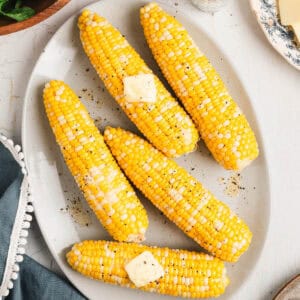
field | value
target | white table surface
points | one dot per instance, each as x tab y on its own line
274	87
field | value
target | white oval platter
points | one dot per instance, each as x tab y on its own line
57	199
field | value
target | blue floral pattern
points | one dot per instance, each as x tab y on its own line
281	37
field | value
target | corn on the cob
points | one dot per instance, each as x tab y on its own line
187	274
221	123
180	196
164	122
103	184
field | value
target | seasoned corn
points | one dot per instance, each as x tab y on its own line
180	196
221	123
164	122
187	274
97	174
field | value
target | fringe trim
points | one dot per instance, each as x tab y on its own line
23	218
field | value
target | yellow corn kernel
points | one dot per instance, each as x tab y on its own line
180	196
164	122
103	184
187	274
220	122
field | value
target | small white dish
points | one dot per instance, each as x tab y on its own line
280	37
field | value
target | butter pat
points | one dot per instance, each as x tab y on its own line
289	11
140	88
296	28
144	269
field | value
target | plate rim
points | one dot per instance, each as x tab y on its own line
254	117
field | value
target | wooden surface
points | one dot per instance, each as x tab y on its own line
44	9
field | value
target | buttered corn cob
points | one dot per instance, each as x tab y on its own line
221	123
163	122
187	274
103	184
180	196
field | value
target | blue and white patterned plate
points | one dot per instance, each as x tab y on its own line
280	37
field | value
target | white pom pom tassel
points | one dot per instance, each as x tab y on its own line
10	284
6	293
14	276
24	233
21	250
28	217
19	258
26	224
21	155
18	148
16	268
10	142
29	208
22	241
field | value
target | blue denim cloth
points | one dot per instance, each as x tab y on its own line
34	281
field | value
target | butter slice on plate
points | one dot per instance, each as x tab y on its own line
289	11
144	269
139	88
296	28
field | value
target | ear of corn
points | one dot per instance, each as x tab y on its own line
97	174
180	196
187	274
165	124
221	123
